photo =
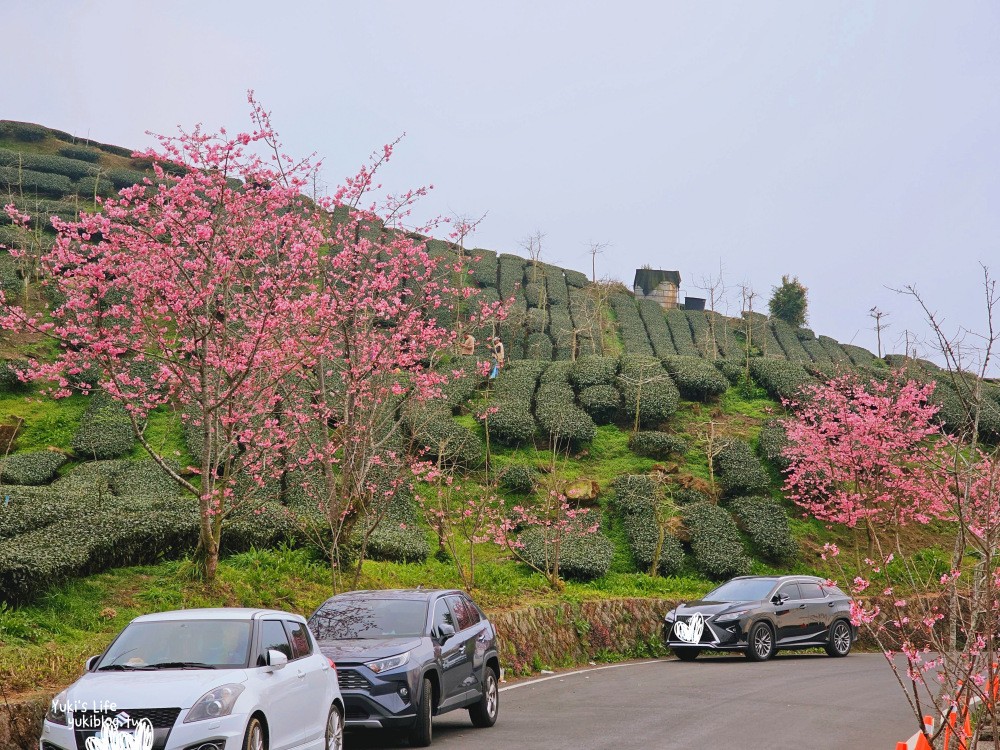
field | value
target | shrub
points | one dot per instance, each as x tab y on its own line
432	429
81	153
696	379
40	183
645	385
561	331
26	132
715	541
680	331
602	402
859	355
517	478
105	430
259	526
514	390
60	165
656	444
766	524
534	293
576	279
635	498
781	380
10	380
591	370
539	345
633	332
398	536
772	443
587	318
559	416
731	369
701	334
634	493
123	178
739	470
511	274
536	321
85	187
37	467
815	350
729	343
483	266
788	339
582	555
555	287
142	478
688	496
834	350
656	327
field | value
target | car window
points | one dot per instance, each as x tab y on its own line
790	591
272	637
465	611
832	591
301	646
810	590
218	643
350	619
442	616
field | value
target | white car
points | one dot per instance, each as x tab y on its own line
203	679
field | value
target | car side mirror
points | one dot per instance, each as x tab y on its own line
92	662
275	660
779	598
445	631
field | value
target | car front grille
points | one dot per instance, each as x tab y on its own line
707	636
352	679
87	723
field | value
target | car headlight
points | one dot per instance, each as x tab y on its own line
215	703
384	665
56	712
731	616
671	615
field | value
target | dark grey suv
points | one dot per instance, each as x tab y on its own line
404	656
760	615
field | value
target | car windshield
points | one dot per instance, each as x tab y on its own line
369	618
741	590
180	644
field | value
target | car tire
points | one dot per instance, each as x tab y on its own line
335	729
686	654
839	639
484	712
256	736
760	642
421	734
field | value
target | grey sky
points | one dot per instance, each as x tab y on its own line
855	145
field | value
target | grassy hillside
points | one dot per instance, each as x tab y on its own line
663	420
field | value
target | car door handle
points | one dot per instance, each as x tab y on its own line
831	604
300	674
802	606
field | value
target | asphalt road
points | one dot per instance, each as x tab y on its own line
793	702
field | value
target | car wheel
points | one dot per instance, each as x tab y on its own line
839	639
760	643
484	713
335	729
420	735
686	654
256	737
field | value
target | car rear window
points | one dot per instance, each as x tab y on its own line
811	590
348	619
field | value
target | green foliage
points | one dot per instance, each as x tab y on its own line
518	478
789	340
834	351
123	178
633	332
680	331
859	355
555	286
766	524
715	541
81	153
731	369
740	472
397	536
534	293
85	187
26	132
561	331
646	386
511	274
688	496
576	279
637	498
37	467
482	264
634	493
591	370
788	301
16	180
657	444
656	326
105	430
772	443
602	402
433	431
782	380
697	379
60	165
582	556
513	392
701	333
10	382
555	409
539	345
143	478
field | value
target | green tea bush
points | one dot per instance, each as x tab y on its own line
634	493
582	556
636	498
144	478
728	342
715	541
536	321
557	372
81	153
539	346
697	379
731	369
591	370
534	292
789	341
26	132
60	165
766	524
40	183
513	392
105	430
739	470
438	436
772	443
587	319
680	332
560	417
817	353
123	178
398	537
561	331
646	386
517	478
602	402
576	279
688	496
37	467
555	287
483	266
859	355
511	274
10	380
782	380
85	187
834	351
633	332
656	327
702	335
659	445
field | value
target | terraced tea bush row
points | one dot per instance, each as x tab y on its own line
701	334
586	319
602	402
81	153
398	536
555	286
576	279
13	180
73	169
582	556
630	325
511	274
647	388
534	292
715	541
680	332
772	443
739	470
518	478
656	328
660	445
556	409
766	524
697	379
725	335
512	398
34	468
538	346
561	332
859	355
440	437
732	369
105	430
834	351
788	339
782	380
592	369
636	499
483	267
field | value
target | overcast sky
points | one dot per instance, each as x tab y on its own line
854	145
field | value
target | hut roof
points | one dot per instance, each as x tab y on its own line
648	278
